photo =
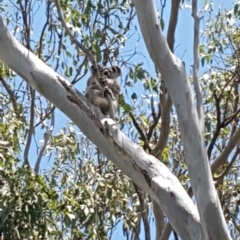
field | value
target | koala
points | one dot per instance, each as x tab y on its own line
104	91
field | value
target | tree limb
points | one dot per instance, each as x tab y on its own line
159	222
143	169
173	24
166	231
196	84
173	72
166	102
218	126
233	141
219	178
31	128
47	135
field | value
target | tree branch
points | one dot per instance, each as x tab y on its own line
219	178
31	128
196	84
47	135
233	141
141	133
143	169
166	102
173	24
159	222
173	72
218	126
166	231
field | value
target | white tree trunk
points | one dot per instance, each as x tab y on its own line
173	72
143	169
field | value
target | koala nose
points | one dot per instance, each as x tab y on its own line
106	73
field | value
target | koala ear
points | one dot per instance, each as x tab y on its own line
117	70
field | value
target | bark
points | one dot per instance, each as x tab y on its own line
166	231
196	84
143	169
166	106
173	72
159	220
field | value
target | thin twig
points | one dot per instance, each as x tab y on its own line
142	135
153	124
218	126
31	128
46	139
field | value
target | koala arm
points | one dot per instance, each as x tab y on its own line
96	97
